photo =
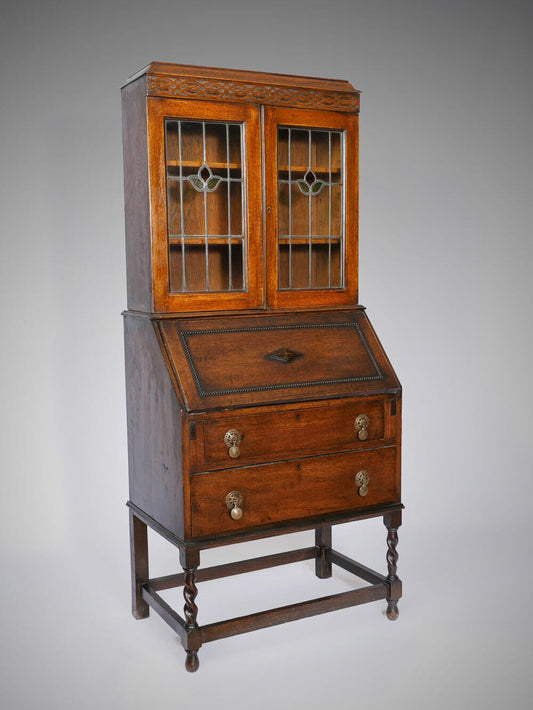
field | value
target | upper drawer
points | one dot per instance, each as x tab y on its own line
292	433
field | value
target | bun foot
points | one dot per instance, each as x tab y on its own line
392	611
192	662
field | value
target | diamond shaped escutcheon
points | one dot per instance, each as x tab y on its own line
284	355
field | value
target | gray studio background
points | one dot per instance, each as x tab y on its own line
445	271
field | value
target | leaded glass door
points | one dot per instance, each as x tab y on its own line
206	228
311	194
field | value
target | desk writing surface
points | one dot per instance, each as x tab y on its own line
249	360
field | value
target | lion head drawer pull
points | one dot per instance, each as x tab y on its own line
232	439
361	481
233	503
361	426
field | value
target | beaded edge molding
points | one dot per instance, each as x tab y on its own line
184	334
245	91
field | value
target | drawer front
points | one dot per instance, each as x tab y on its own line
297	432
292	490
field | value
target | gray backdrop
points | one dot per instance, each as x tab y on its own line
445	266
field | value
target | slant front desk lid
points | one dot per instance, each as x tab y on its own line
237	361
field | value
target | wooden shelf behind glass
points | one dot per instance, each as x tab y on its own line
324	171
197	164
304	241
200	240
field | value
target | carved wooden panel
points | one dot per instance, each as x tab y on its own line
248	92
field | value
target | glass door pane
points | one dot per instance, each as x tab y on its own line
311	207
205	193
310	184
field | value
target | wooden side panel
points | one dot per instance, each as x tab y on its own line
154	428
136	197
398	431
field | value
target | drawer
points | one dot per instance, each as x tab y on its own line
292	433
277	492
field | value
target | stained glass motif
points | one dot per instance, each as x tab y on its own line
204	180
310	185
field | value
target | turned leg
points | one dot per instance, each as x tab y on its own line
191	612
392	522
323	542
139	566
190	560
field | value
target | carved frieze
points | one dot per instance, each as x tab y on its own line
219	90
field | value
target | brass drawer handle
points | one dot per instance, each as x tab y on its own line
361	425
233	503
232	439
362	479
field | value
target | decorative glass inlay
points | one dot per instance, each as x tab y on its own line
310	184
310	208
205	206
204	181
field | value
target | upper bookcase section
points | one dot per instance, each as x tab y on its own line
241	190
183	81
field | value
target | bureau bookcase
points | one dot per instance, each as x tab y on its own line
259	398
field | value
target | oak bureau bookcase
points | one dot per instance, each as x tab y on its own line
260	400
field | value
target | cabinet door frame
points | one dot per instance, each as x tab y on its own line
160	109
312	119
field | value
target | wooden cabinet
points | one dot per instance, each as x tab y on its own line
259	398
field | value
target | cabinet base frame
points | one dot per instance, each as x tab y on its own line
145	590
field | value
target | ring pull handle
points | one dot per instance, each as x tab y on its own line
232	439
361	426
362	479
233	503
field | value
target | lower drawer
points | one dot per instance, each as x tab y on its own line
291	490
